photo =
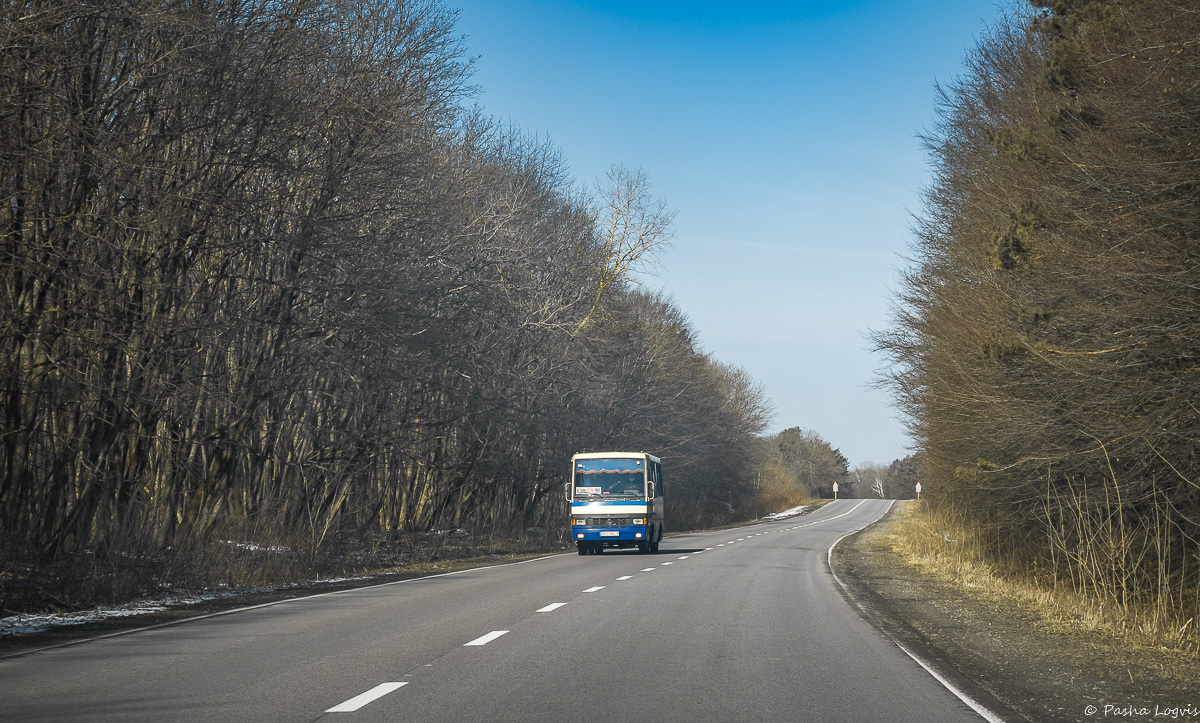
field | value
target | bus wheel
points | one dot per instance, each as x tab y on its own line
643	547
582	550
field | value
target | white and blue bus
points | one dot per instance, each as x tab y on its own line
616	501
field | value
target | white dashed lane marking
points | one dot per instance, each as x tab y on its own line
362	699
485	639
383	689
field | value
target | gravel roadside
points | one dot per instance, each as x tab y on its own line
1004	653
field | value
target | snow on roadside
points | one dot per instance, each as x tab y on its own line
26	624
786	513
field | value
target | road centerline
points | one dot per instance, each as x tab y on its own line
363	699
485	639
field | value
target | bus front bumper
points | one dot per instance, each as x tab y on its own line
610	534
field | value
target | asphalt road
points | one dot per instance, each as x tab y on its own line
740	625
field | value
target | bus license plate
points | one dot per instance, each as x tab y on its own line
610	533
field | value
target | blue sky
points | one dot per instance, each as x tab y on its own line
784	134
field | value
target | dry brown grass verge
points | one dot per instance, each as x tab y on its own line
941	546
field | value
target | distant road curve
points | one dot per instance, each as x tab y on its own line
738	625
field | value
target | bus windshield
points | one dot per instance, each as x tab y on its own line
610	477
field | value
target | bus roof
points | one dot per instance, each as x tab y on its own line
616	455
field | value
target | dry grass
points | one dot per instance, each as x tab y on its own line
949	550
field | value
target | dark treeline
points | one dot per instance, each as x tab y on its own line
896	481
798	460
1048	340
269	281
796	465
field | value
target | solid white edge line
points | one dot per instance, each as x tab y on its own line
485	639
133	631
362	699
550	608
971	702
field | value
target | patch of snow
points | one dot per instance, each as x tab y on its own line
29	623
786	513
255	547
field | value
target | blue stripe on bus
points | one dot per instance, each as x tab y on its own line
606	503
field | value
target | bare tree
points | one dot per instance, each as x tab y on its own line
633	227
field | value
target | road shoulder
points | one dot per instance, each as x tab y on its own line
1002	652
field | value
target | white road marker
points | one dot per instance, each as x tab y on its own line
362	699
648	569
550	608
668	563
624	577
485	639
684	557
595	589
